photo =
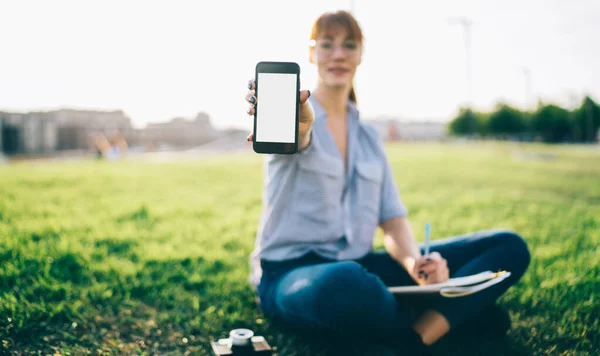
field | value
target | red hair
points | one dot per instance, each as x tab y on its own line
330	20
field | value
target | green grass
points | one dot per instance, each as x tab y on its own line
141	258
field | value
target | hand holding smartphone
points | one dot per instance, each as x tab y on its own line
283	116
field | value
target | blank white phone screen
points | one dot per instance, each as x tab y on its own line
276	107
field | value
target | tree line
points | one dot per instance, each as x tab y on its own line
548	123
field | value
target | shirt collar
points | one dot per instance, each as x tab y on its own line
321	115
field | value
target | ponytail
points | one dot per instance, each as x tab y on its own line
352	96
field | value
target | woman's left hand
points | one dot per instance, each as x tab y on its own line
431	269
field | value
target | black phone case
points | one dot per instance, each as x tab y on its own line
277	147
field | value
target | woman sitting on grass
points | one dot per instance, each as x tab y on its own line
112	148
314	265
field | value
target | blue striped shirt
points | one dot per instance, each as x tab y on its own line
312	203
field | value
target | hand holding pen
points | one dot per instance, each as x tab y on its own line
431	267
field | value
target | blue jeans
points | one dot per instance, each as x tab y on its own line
315	294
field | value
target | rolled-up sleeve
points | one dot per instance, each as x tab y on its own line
391	202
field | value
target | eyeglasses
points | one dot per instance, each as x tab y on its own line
325	47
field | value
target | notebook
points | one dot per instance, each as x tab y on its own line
456	287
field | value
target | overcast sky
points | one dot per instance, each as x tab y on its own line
158	60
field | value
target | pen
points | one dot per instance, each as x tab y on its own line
427	232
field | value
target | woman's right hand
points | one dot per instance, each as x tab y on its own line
307	114
431	269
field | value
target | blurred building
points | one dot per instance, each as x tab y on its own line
51	131
396	130
179	132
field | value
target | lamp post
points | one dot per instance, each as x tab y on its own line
466	24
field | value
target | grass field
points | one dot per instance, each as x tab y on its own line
151	258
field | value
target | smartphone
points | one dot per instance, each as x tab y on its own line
276	113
